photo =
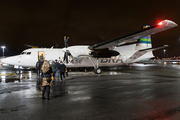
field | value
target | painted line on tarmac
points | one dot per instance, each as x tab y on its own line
7	74
11	74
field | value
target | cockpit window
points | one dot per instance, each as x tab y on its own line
23	53
28	53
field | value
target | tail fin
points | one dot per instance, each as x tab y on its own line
144	42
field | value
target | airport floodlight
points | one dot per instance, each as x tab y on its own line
164	53
3	47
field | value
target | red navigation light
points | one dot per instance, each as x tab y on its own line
161	23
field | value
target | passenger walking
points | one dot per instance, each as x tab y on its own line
41	63
66	71
39	71
38	67
62	69
54	68
41	57
57	70
46	81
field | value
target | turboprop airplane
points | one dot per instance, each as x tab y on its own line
107	53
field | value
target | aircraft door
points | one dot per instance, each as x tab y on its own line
41	55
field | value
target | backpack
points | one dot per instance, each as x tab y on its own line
54	68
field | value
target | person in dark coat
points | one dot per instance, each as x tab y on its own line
57	66
39	71
46	73
54	68
38	67
41	57
62	69
66	71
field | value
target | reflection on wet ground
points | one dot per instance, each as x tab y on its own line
142	92
14	76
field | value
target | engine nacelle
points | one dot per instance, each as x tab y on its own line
105	53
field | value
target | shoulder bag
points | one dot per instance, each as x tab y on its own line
48	79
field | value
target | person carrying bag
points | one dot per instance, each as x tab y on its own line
46	81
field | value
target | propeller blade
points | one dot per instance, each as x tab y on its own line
67	53
66	57
66	41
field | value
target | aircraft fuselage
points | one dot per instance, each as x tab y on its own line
81	58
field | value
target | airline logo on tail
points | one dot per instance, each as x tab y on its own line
144	42
146	39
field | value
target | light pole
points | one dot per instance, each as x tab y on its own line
3	50
164	53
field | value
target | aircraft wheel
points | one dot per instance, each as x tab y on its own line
97	71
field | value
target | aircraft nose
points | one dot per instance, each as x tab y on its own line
10	60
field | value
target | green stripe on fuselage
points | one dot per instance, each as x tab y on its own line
145	39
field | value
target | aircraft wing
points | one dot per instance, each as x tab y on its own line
132	37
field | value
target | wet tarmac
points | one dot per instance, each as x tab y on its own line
136	92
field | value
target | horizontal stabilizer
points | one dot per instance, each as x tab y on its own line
155	48
139	53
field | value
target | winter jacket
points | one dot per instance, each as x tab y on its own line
62	67
54	68
47	75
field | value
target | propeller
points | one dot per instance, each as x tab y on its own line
67	52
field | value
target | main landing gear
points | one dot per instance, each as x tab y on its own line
96	69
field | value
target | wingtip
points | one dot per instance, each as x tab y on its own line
166	45
169	23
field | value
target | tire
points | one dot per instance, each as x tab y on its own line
97	71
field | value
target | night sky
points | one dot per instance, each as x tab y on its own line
86	22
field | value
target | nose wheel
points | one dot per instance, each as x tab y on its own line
97	70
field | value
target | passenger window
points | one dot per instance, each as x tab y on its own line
28	53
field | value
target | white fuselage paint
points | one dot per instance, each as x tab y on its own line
80	58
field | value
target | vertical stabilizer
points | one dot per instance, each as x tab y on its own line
144	42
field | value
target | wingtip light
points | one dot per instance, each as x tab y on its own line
161	23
